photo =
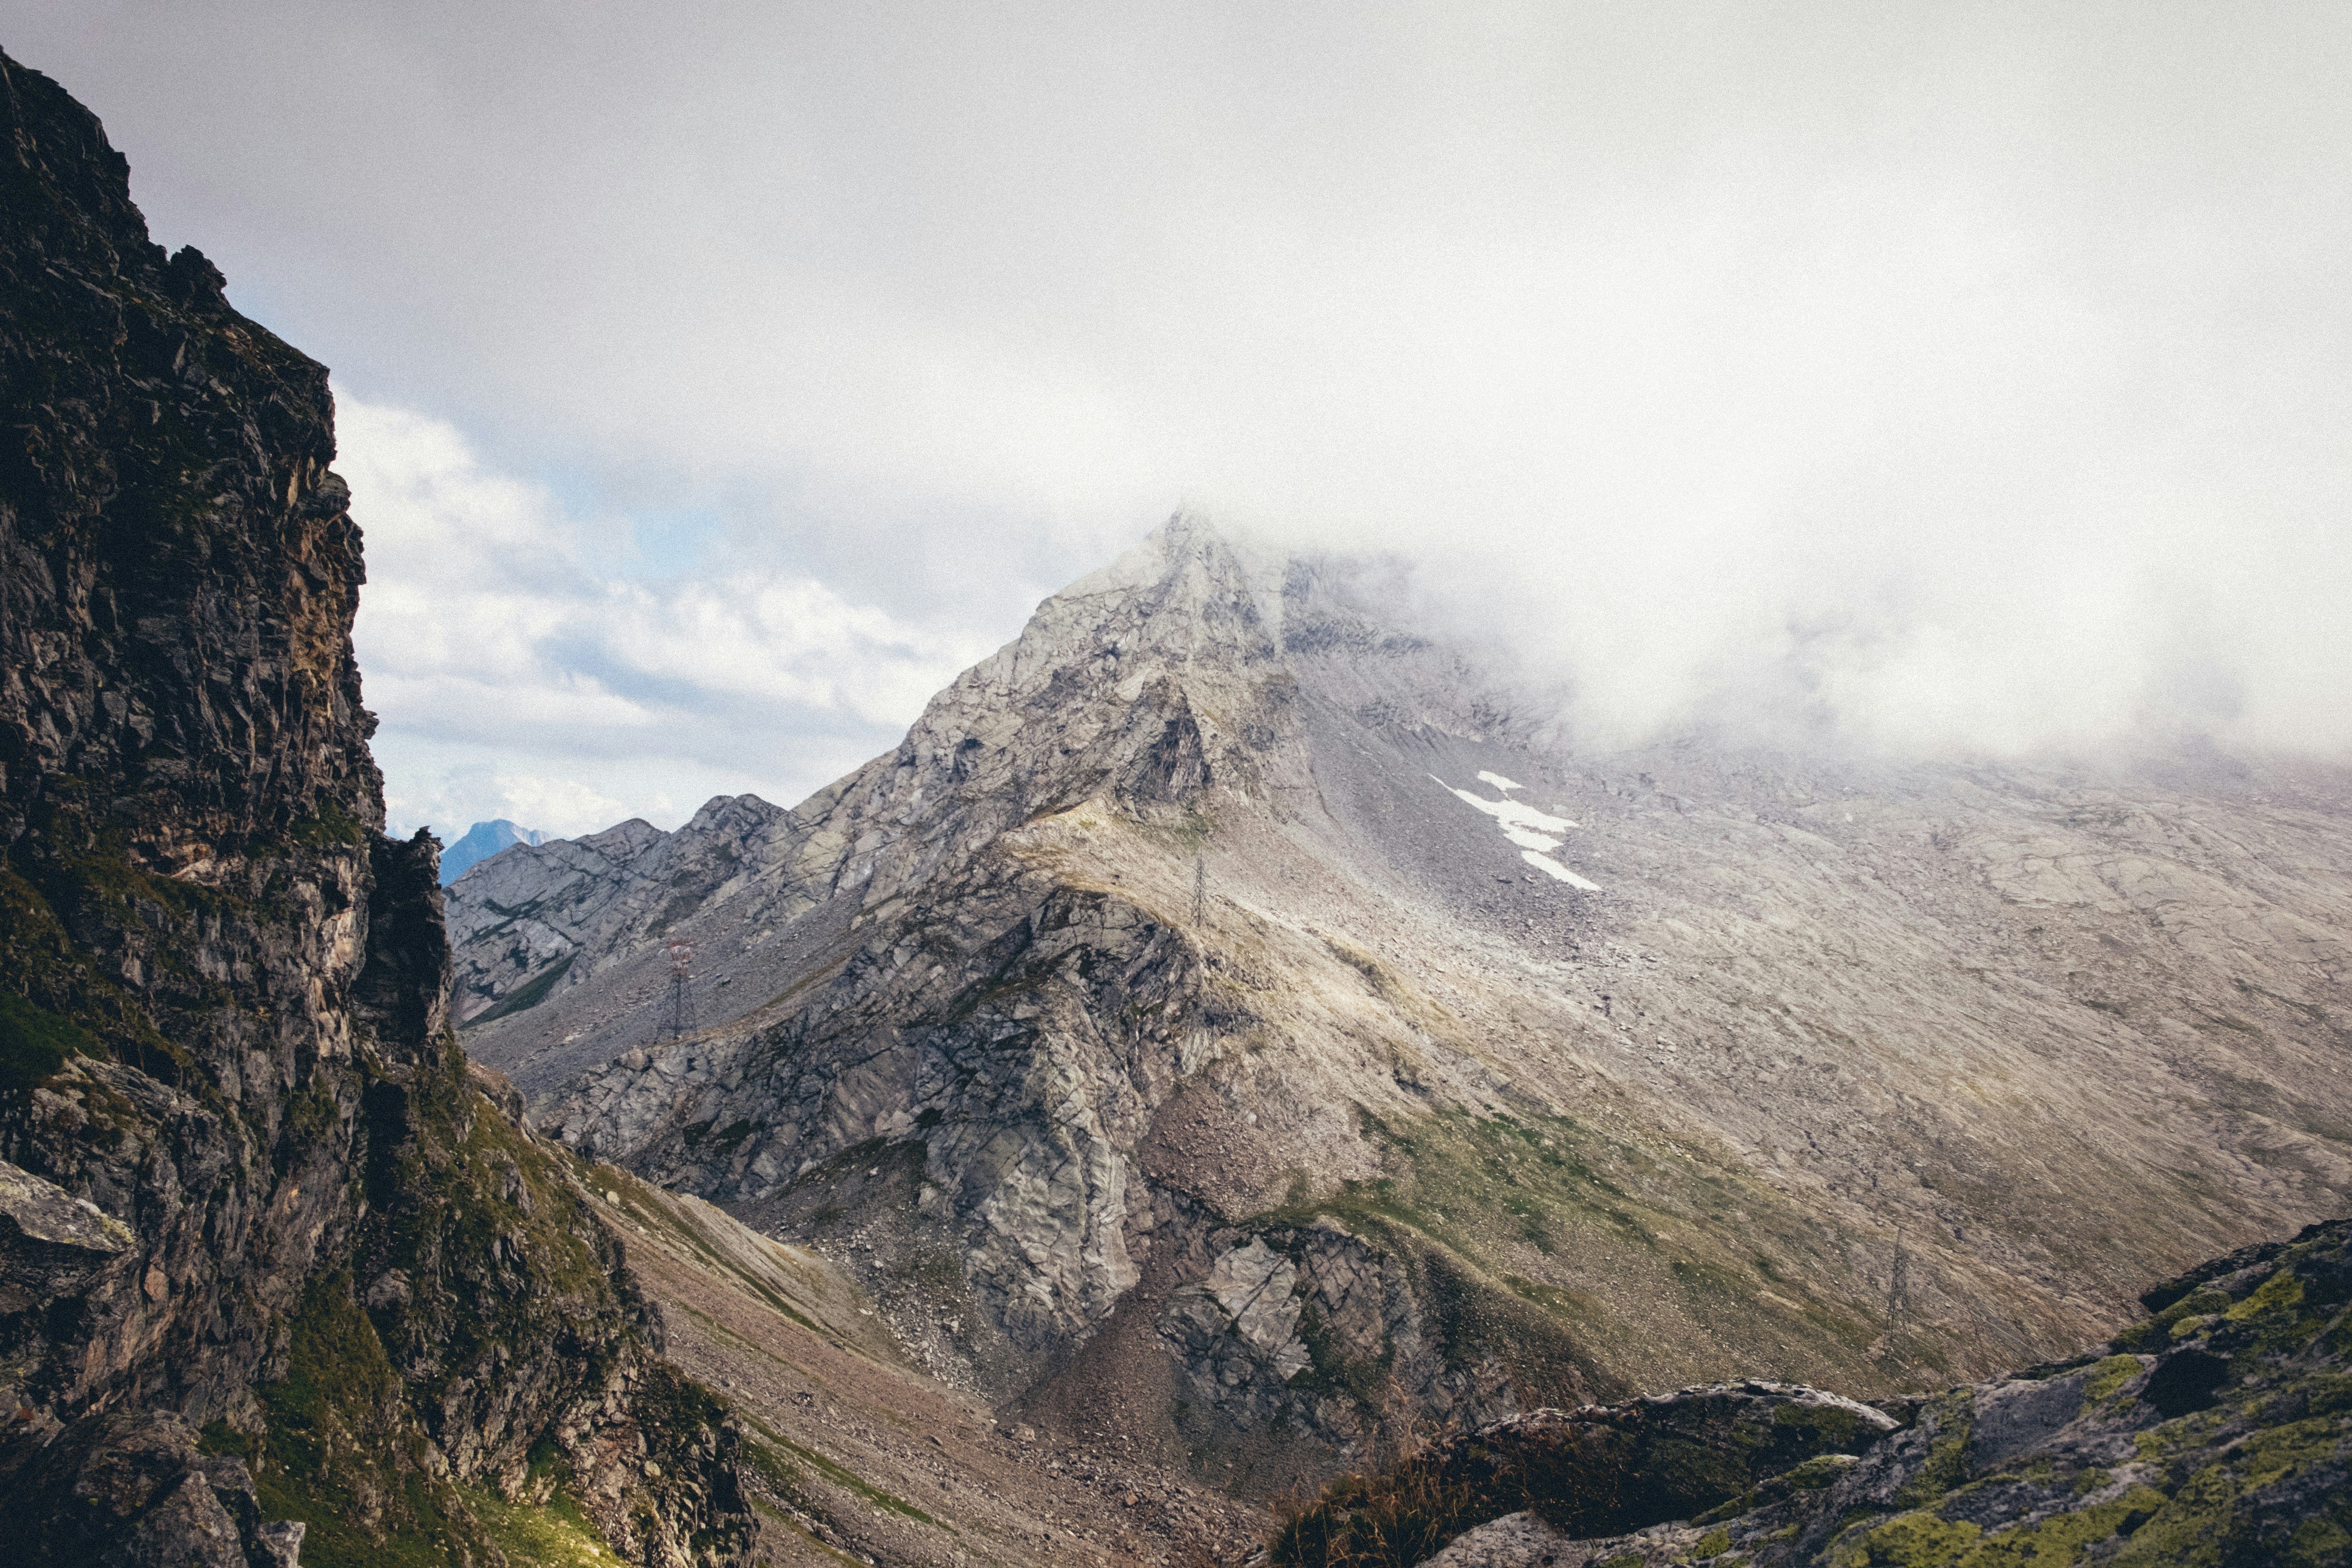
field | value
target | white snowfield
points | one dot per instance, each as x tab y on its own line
1542	862
1533	831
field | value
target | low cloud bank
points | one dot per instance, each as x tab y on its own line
519	671
1951	379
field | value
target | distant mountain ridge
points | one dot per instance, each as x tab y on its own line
480	842
522	919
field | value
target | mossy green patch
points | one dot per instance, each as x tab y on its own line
2318	1543
1906	1540
2281	1290
35	1042
341	1453
2064	1538
2327	1394
553	1534
328	821
1947	1464
2222	1502
2283	1315
2108	1375
2155	1333
66	1005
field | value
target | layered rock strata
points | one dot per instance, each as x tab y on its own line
279	1275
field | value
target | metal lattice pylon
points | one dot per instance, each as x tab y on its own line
681	989
1898	1292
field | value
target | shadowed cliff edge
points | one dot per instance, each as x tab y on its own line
281	1277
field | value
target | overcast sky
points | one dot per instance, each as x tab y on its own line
714	385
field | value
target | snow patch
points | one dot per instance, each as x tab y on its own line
1511	813
1546	863
1533	831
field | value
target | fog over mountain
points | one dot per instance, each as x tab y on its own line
1944	378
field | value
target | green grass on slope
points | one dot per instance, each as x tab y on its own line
667	1213
776	1463
553	1534
341	1452
1660	1267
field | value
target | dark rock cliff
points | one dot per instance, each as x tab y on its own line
272	1255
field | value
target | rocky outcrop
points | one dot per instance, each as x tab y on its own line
2217	1430
277	1276
1556	1475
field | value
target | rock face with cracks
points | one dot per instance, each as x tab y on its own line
281	1277
1565	1474
2217	1431
1224	990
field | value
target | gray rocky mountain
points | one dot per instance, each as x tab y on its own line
480	842
1232	1016
555	914
1229	1034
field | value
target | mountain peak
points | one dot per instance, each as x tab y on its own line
1216	947
480	842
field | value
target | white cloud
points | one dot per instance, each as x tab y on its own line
560	808
517	674
1944	375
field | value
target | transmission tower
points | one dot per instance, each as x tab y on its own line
1898	1291
681	993
1200	892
